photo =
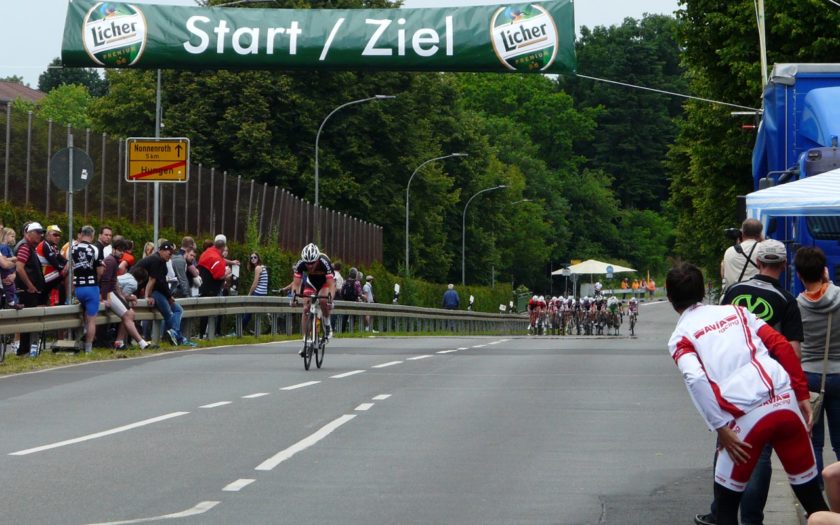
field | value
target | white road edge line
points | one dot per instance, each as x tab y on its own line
300	385
214	405
419	357
201	508
479	346
382	397
447	351
346	374
99	434
462	348
238	485
304	443
254	396
391	363
364	406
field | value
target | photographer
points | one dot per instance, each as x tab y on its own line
739	260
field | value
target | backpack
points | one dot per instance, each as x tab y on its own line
348	291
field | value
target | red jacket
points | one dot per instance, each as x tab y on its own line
213	262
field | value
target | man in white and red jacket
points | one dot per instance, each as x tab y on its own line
746	381
212	268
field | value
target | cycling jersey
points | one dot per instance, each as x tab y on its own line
732	362
85	262
318	276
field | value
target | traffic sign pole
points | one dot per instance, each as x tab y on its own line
157	184
68	298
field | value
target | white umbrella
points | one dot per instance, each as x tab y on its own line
592	266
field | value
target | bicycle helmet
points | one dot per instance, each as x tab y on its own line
310	253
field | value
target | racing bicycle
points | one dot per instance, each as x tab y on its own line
315	338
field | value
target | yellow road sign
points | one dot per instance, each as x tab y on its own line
157	160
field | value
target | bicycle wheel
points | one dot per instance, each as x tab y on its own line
310	344
321	346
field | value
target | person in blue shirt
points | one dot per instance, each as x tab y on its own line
451	301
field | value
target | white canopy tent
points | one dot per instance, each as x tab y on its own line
591	266
818	195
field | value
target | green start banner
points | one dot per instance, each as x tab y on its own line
527	38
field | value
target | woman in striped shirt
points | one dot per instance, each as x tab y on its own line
260	285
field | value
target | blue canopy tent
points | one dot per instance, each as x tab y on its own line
815	196
812	203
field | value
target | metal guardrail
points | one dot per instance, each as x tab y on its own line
384	318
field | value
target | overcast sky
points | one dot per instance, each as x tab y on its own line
31	30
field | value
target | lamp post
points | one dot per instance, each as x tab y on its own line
520	201
318	140
464	231
408	186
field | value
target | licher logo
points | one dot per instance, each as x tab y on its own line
525	38
114	34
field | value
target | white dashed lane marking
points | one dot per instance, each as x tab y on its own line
419	357
391	363
347	374
304	443
300	385
238	485
99	434
254	396
364	407
382	397
447	351
214	405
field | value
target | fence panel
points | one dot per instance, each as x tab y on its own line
211	202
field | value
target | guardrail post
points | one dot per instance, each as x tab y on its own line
211	327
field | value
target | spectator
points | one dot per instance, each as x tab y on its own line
339	279
746	381
765	298
103	243
367	297
127	260
53	264
7	268
738	261
820	307
831	480
451	301
259	287
181	262
192	270
133	282
651	287
86	271
148	249
158	295
29	275
111	293
213	271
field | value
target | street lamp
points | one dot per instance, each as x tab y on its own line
407	186
317	141
520	201
464	231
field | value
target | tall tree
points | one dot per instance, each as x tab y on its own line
710	161
56	75
635	127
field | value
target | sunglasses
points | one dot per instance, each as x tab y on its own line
254	258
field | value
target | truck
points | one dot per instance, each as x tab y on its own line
798	138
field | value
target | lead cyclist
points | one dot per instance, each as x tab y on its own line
320	281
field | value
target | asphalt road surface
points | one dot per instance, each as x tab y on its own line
449	430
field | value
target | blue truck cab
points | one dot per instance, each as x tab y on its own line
798	138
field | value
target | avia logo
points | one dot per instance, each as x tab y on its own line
719	326
525	38
758	306
114	34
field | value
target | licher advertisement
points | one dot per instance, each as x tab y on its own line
526	38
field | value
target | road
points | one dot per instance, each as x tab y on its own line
450	430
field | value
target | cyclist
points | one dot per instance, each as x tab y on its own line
633	306
314	275
533	311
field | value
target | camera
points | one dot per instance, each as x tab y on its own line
733	234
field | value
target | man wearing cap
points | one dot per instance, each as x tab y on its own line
765	298
213	270
53	264
30	277
158	295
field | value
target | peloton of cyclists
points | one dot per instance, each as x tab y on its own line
314	275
